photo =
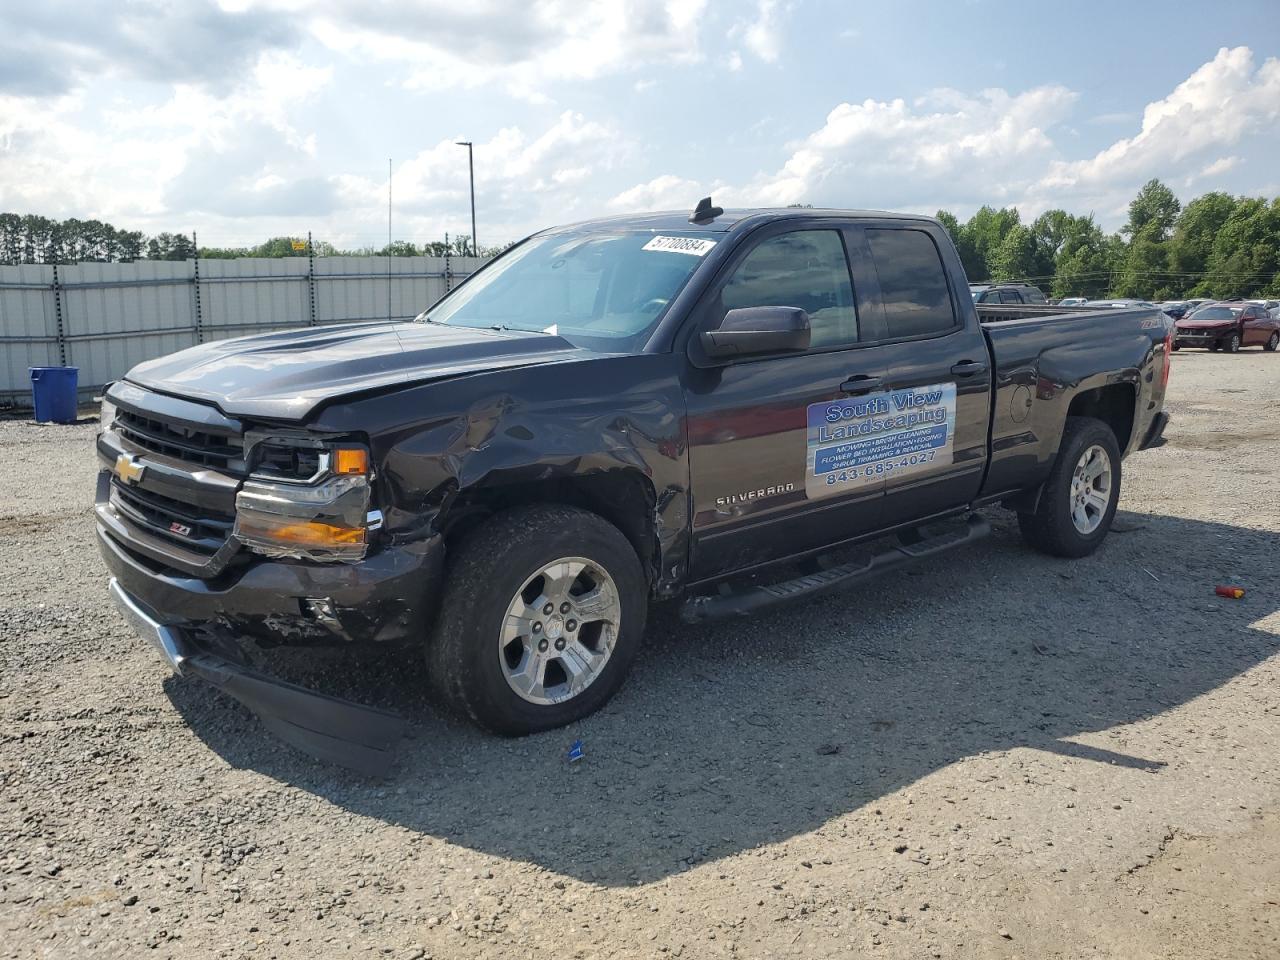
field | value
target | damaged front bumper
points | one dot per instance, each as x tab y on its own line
359	737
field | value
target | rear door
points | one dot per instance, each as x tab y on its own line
937	368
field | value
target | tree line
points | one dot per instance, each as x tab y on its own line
29	238
1216	246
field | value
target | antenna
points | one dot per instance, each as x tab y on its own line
705	212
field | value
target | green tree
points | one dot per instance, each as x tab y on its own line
987	229
1154	209
1017	255
1245	259
1193	235
974	266
1080	266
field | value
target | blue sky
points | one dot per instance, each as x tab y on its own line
248	118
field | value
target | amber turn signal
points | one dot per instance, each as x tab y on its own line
303	533
347	460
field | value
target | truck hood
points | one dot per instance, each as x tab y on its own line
286	376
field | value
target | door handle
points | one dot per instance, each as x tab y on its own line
861	384
967	368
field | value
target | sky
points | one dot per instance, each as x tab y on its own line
245	119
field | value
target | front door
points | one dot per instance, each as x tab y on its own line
756	494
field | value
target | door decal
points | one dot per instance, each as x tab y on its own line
855	441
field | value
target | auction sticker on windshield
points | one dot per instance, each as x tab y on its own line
693	246
856	441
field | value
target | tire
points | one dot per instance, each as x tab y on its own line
1270	345
504	566
1215	347
1053	528
1233	343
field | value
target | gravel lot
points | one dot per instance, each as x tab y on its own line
998	755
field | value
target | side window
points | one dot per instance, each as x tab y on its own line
912	283
805	269
1010	296
1035	296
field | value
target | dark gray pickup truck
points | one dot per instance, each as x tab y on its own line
610	413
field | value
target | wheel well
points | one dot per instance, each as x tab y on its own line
1112	404
625	498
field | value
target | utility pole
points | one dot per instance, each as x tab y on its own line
471	169
388	238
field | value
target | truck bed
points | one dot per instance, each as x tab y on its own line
1051	362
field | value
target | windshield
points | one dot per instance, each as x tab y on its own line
598	290
1216	313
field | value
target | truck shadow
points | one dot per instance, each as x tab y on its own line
745	733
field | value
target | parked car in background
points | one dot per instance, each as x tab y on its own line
1175	308
1073	301
1006	293
1228	326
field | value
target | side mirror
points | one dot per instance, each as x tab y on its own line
753	331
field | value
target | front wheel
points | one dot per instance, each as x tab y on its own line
541	619
1078	501
1273	343
1233	343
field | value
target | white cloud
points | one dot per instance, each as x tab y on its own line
1214	107
891	153
522	46
959	151
762	35
1219	167
661	193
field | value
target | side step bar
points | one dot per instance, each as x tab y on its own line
698	609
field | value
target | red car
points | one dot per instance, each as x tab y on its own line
1228	326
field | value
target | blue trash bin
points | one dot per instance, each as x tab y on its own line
54	391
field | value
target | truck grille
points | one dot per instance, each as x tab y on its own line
203	532
178	506
225	453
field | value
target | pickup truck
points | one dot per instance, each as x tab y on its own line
724	410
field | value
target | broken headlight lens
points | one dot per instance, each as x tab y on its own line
307	503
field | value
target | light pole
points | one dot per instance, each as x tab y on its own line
471	169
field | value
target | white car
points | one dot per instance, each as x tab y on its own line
1073	301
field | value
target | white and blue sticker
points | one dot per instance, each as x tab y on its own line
856	441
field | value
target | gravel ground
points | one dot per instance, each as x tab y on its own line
997	755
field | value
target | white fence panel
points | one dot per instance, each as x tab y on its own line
116	315
250	295
28	325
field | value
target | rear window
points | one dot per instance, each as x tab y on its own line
912	283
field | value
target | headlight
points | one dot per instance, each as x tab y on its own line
106	414
305	500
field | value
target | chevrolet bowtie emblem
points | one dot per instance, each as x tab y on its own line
128	469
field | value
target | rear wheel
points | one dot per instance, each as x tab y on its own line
1271	344
541	619
1078	501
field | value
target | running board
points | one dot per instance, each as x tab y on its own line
698	609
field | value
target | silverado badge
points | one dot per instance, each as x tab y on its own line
128	469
